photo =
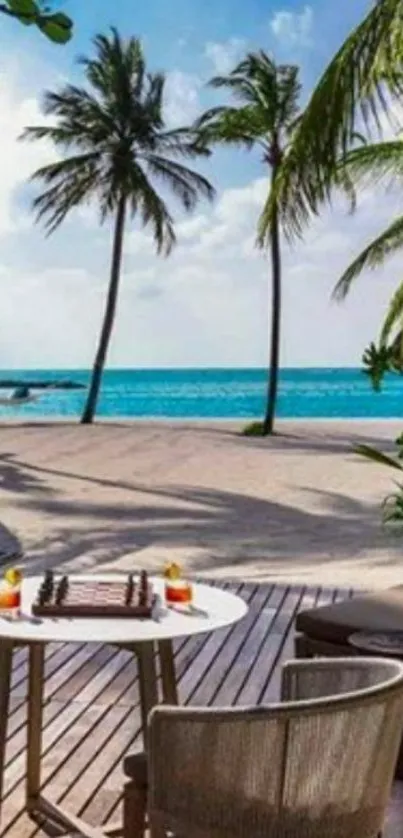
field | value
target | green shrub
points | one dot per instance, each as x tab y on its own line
253	429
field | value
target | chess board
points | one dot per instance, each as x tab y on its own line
84	598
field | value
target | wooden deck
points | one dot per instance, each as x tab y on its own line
91	717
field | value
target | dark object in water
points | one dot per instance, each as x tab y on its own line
12	384
21	393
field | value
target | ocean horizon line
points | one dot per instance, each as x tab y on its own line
115	369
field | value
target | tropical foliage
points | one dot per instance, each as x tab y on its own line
116	147
366	166
393	504
353	98
57	26
379	360
264	117
357	87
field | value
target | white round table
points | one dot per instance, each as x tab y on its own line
211	609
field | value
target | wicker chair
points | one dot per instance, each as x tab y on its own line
318	765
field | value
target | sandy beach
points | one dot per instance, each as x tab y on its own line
300	507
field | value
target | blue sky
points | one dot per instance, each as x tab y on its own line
208	304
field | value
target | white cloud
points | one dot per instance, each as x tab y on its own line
225	55
17	159
293	29
182	97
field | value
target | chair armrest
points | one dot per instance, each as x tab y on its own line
135	768
321	677
299	681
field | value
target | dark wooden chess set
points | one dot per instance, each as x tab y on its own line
74	597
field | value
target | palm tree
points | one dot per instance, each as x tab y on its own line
264	117
358	86
115	129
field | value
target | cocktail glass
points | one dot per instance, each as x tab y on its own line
10	596
178	591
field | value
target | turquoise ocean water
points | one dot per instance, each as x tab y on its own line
216	394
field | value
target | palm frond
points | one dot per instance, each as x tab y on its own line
73	182
232	126
358	85
394	317
373	162
374	255
184	183
377	456
182	142
154	212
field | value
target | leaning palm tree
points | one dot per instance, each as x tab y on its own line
264	118
358	86
115	142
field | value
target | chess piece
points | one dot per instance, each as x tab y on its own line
129	590
62	590
48	586
143	589
42	595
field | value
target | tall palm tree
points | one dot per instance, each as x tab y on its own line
264	117
357	87
119	144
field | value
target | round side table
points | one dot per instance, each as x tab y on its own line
211	609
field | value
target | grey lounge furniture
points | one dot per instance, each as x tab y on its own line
318	764
325	630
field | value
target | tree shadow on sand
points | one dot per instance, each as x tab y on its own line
326	442
19	478
224	528
10	546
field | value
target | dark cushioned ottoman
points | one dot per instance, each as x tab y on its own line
333	624
325	630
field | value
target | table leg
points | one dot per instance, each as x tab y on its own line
167	663
148	685
6	656
34	723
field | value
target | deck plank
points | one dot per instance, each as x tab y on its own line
91	713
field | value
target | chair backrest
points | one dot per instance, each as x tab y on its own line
307	768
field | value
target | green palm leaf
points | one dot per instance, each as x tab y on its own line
377	456
374	255
393	317
358	85
374	162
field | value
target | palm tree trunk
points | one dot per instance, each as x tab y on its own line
268	424
109	316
